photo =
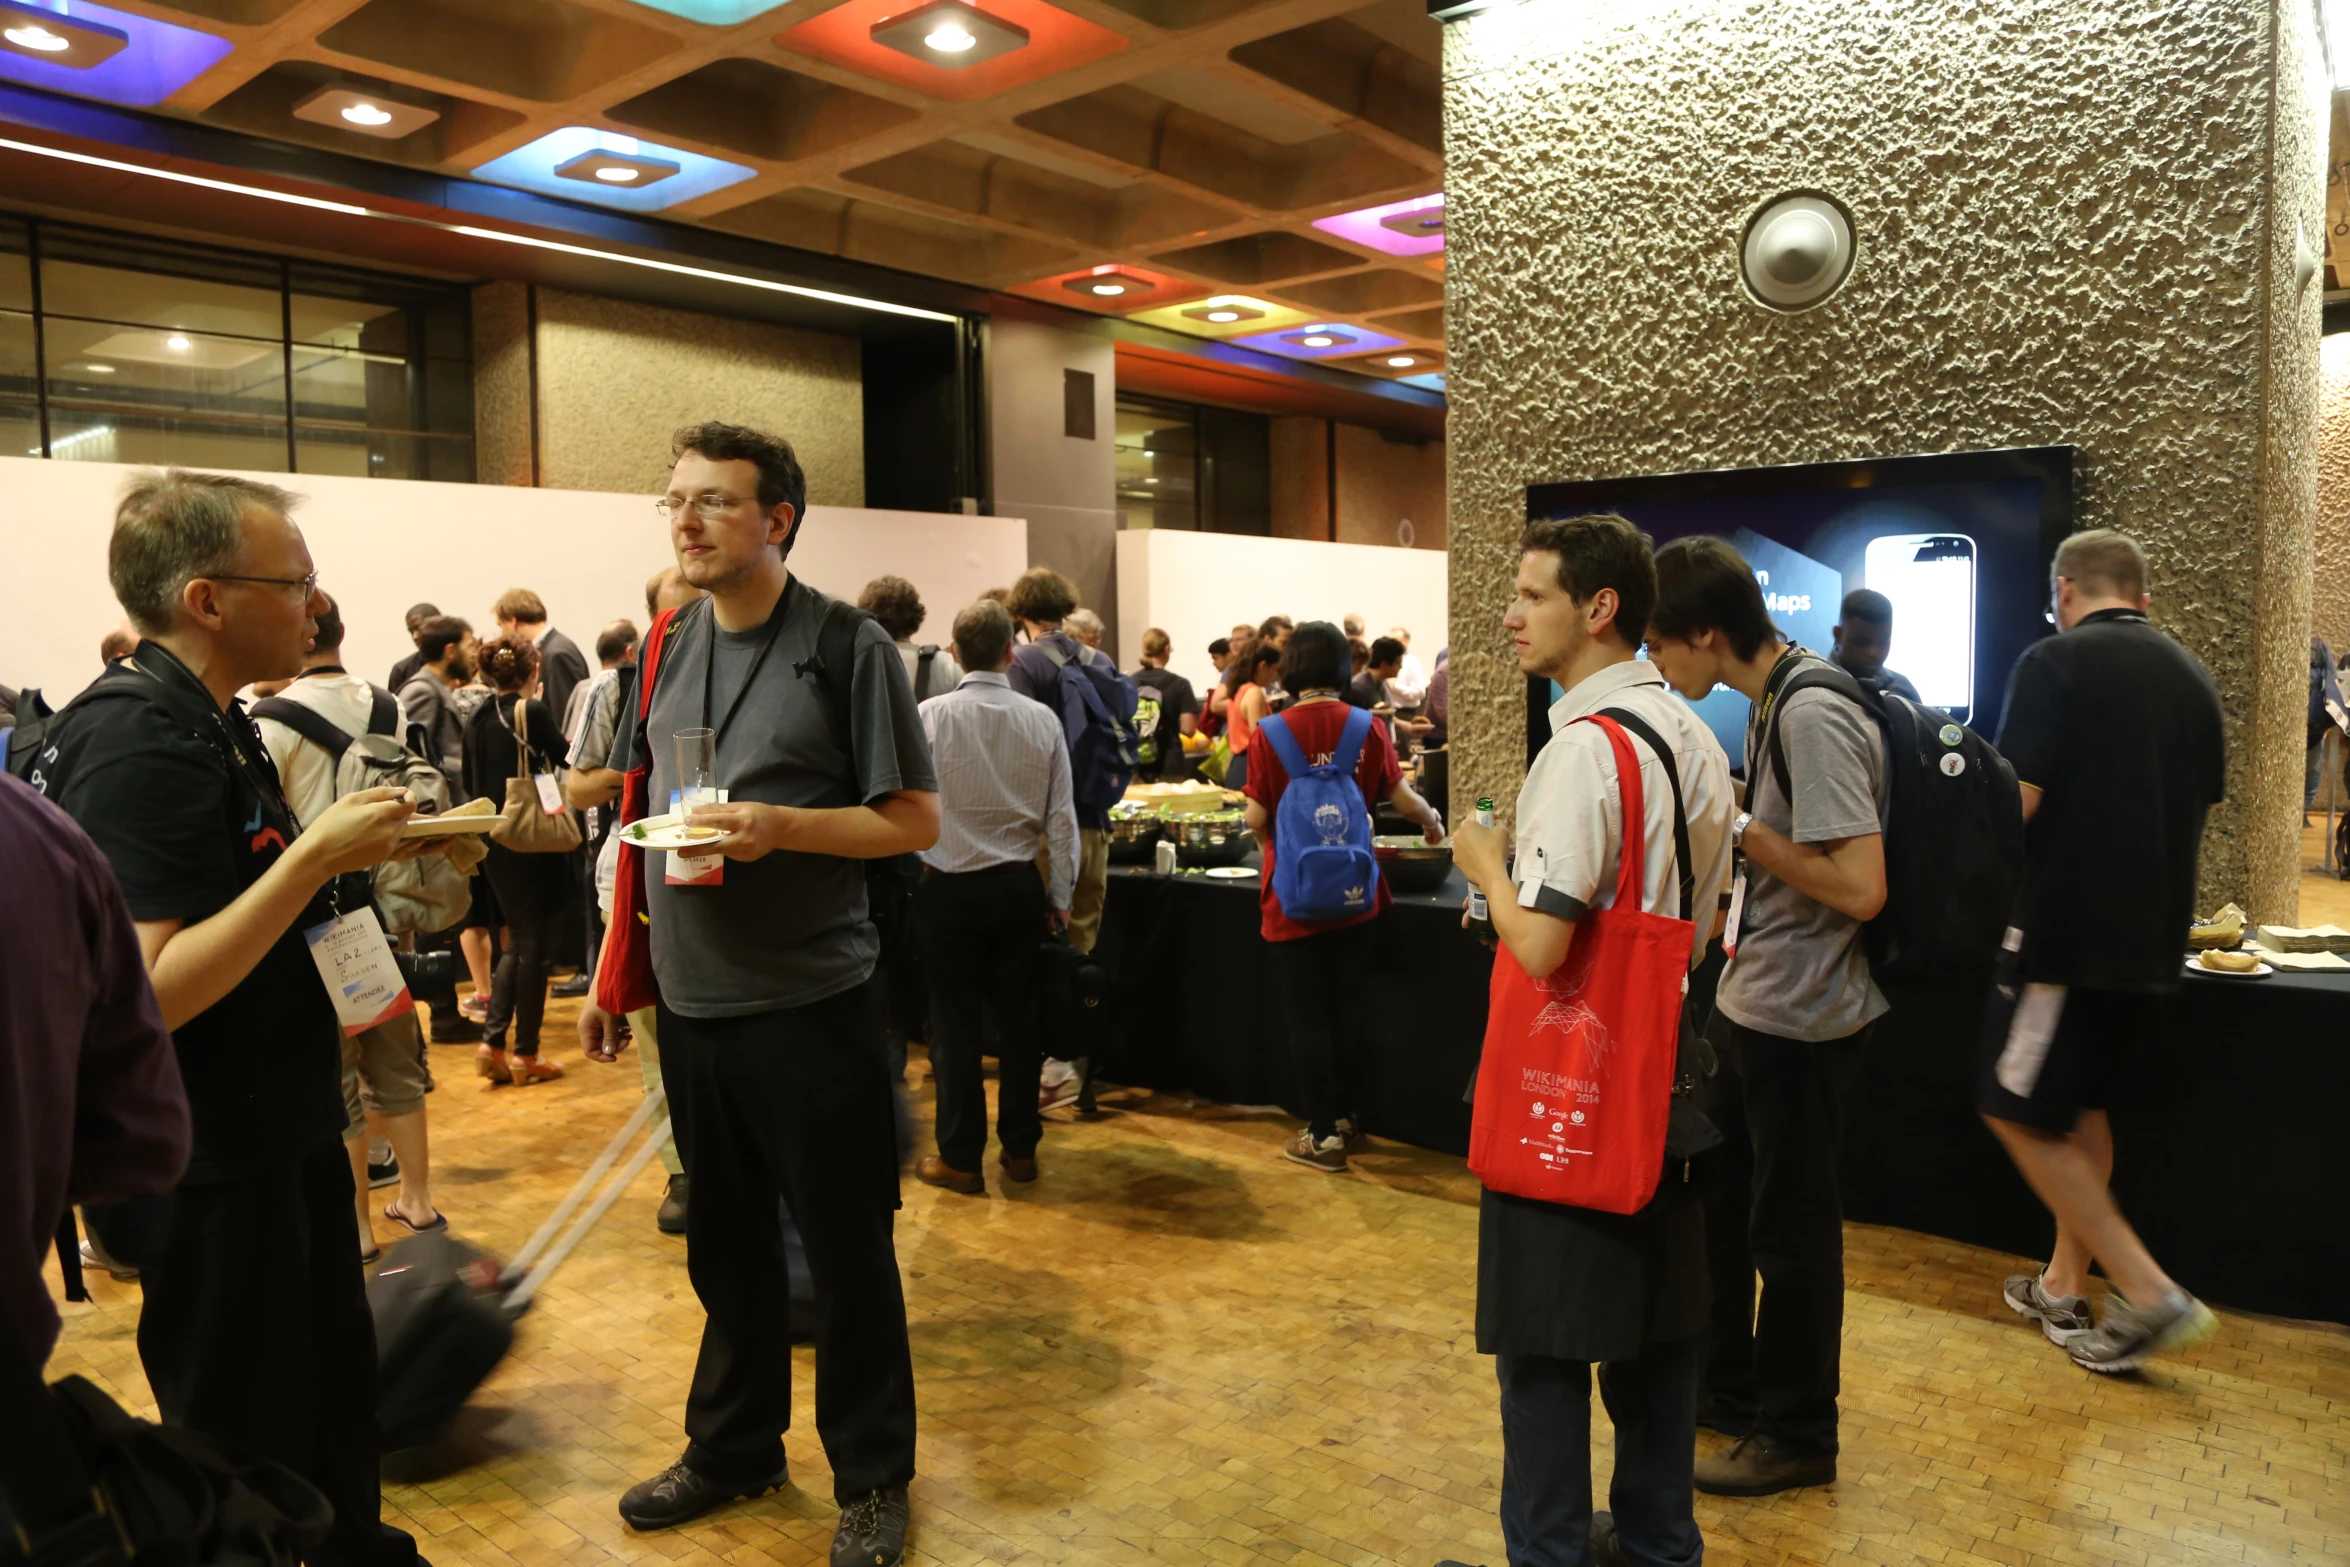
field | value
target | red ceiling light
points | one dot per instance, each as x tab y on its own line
950	34
1111	285
1012	42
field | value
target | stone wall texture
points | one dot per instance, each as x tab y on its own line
2330	611
502	411
2077	223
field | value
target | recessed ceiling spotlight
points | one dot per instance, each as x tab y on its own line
99	369
177	344
949	34
1401	362
1317	340
1224	311
1318	337
1110	281
1108	290
57	39
611	166
370	114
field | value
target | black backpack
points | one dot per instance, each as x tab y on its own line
29	735
1954	835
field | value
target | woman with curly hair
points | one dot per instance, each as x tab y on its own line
534	890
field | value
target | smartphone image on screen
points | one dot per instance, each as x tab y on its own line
1930	577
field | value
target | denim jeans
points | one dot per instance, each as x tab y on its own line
1546	1456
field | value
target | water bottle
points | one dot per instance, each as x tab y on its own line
1480	916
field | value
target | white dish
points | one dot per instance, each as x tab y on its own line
448	826
668	831
2262	972
1233	872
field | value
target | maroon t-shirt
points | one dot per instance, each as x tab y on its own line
1316	727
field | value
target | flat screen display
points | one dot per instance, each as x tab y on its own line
1960	542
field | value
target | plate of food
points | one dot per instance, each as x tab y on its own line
1233	872
475	816
2230	965
670	831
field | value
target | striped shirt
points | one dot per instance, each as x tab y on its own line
1003	782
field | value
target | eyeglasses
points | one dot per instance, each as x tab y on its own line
706	507
308	585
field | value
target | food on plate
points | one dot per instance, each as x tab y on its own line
2230	962
2224	929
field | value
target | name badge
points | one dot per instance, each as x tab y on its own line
695	870
550	793
1737	913
360	972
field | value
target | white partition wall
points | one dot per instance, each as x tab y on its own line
384	544
1197	586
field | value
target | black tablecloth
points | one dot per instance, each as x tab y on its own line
2231	1156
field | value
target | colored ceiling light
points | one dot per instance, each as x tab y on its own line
713	13
1320	337
1401	361
1224	311
1224	315
96	51
1400	228
365	113
643	177
1319	340
1110	283
1433	381
950	34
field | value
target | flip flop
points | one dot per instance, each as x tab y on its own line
370	1257
439	1222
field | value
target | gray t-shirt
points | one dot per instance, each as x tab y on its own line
789	929
1802	969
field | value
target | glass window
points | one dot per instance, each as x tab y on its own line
1157	465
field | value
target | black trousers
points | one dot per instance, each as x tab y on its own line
793	1103
1321	980
534	894
980	931
255	1328
1775	1208
1546	1456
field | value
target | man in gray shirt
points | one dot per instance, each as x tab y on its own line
770	1036
1793	1011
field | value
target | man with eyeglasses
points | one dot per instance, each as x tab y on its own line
255	1325
764	949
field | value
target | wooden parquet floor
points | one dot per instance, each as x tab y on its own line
1178	1348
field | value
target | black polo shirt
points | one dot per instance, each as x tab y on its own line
183	801
2118	727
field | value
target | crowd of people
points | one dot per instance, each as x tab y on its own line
896	819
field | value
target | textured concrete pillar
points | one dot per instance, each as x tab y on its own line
2078	221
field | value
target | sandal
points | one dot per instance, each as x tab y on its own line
526	1070
490	1062
439	1221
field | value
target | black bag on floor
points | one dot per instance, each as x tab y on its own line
1073	1002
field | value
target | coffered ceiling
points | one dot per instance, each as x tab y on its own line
1248	169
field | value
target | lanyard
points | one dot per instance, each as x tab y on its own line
710	668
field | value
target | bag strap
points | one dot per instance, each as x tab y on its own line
308	722
835	667
1632	861
383	713
1275	733
1351	741
1664	755
924	657
519	727
1809	672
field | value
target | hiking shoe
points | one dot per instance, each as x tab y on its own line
1328	1154
2132	1335
385	1174
1762	1466
872	1530
671	1219
677	1495
2062	1317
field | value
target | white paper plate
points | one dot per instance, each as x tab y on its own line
447	826
668	832
1233	872
2262	972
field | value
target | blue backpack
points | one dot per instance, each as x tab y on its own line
1323	868
1097	716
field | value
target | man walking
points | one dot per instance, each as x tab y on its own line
255	1324
770	1036
1003	780
1791	1016
2115	733
1559	1288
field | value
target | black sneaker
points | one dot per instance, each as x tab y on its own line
570	989
671	1218
677	1495
872	1530
385	1174
1606	1550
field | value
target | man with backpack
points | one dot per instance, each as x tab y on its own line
255	1325
330	734
897	604
1792	1015
1562	1287
1173	711
1095	704
1309	804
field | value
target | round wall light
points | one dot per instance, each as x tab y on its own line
1798	251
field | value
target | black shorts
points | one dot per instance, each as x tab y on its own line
2050	1052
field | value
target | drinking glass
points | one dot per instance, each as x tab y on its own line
697	768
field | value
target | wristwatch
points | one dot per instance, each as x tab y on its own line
1738	828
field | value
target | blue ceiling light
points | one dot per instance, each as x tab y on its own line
1319	340
95	51
716	13
585	164
1432	382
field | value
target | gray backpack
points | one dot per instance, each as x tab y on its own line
420	895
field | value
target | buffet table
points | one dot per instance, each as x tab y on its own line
2231	1157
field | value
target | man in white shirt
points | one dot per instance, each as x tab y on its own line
897	604
1562	1288
1409	685
384	1075
1003	781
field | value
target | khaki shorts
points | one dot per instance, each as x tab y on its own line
383	1072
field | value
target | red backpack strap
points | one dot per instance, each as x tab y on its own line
648	661
1632	862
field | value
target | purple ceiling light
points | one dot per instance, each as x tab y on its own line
1401	228
95	51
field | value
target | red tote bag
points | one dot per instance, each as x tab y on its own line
1577	1078
624	974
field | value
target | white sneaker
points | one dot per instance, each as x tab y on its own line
2062	1318
1058	1086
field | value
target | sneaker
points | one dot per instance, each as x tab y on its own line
671	1219
677	1495
1762	1466
475	1009
872	1530
2062	1317
94	1257
570	989
385	1174
1353	1136
1328	1154
2132	1335
1061	1083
